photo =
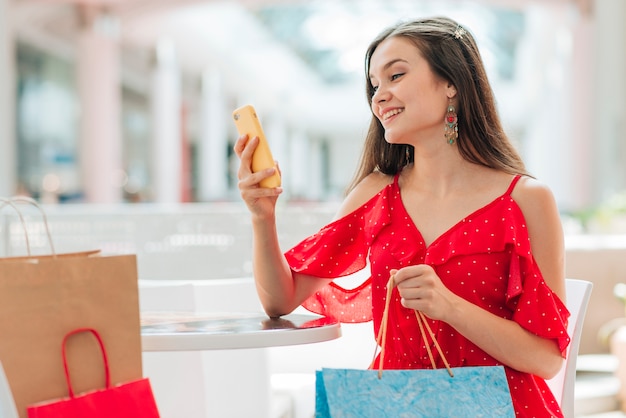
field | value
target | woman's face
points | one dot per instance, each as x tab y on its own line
409	100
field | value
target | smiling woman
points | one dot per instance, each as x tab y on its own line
455	229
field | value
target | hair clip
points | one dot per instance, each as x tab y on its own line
459	32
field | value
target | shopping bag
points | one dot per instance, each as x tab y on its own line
472	392
127	400
42	298
418	393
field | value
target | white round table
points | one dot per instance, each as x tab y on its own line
222	331
220	357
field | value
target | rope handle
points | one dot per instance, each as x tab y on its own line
107	375
11	201
381	338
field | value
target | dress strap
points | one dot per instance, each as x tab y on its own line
512	185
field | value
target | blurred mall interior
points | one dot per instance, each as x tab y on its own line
106	101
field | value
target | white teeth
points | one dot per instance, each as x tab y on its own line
391	113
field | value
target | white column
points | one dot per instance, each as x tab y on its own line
315	189
8	153
609	128
581	145
275	130
166	117
300	165
549	124
100	140
213	143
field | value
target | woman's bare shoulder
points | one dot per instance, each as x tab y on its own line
530	192
364	191
545	231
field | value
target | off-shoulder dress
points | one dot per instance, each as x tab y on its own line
485	258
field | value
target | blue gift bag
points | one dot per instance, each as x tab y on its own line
473	392
460	392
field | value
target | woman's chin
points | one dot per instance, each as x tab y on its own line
395	139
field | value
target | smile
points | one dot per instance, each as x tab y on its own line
391	113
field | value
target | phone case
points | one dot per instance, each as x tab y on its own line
247	122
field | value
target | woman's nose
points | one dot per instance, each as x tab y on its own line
380	95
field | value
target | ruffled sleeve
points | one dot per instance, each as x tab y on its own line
337	250
536	307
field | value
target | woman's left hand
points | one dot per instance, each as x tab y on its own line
421	289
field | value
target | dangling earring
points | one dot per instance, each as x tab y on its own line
451	127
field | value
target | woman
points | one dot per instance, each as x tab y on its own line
443	204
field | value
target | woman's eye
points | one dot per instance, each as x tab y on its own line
374	88
396	76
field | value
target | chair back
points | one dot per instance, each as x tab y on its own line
7	404
578	293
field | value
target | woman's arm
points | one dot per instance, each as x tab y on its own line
275	285
503	339
280	290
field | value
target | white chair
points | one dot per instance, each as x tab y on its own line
578	293
7	404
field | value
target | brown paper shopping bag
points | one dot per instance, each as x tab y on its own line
43	298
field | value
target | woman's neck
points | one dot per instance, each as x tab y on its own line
440	174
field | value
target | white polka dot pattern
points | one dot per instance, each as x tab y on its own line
485	258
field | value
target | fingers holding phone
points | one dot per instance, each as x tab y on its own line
261	159
254	178
245	148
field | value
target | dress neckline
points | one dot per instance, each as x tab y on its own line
464	219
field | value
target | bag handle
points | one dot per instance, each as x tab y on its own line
25	199
381	338
9	202
107	375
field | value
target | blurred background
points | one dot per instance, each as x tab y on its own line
109	101
116	114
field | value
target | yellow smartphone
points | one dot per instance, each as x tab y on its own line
247	122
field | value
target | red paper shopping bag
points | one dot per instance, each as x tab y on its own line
127	400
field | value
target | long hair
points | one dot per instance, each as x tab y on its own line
454	57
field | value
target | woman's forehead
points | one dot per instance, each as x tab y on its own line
392	50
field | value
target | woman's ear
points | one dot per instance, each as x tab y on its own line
451	91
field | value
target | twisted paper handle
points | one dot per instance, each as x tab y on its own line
381	338
11	201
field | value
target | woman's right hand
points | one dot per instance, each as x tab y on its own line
261	201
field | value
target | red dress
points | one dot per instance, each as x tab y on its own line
484	258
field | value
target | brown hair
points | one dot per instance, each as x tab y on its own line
456	59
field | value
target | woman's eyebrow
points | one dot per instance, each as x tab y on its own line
389	64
